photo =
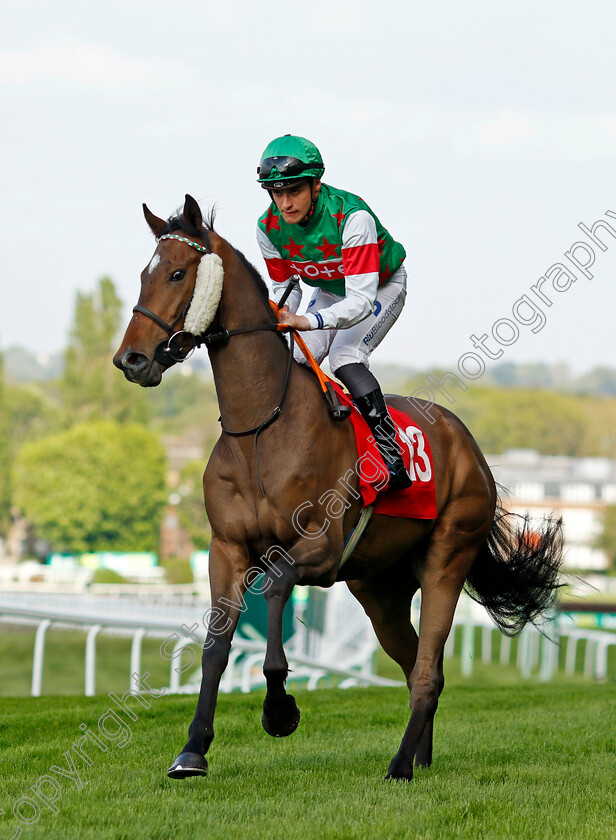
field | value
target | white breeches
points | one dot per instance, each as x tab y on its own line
356	343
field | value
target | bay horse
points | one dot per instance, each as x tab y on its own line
266	489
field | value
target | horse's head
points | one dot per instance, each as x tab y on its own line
180	291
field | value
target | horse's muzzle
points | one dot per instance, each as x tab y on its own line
138	368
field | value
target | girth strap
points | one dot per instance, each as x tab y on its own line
357	532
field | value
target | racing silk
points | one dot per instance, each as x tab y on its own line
343	249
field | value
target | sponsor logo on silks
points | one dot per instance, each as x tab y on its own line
327	270
312	303
377	308
375	329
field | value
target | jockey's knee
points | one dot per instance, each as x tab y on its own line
318	342
347	355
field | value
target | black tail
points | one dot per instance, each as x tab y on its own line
515	574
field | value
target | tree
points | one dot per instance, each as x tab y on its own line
601	380
31	412
91	387
191	508
499	419
96	487
5	457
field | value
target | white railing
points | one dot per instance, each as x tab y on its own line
342	653
348	661
538	651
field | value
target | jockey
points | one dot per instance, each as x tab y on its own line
335	243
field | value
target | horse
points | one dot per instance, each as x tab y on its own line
267	495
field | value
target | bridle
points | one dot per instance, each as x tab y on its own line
181	345
172	350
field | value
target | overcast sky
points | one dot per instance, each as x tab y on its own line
481	133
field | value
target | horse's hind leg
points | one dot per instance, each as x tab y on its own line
441	585
280	712
387	603
423	753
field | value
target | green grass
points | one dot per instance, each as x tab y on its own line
517	761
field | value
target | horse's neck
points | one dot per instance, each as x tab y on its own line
249	371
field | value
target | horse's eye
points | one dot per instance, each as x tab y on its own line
178	275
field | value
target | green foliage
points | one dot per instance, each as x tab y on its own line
551	423
599	426
606	540
184	402
96	487
601	380
5	458
107	576
31	413
499	417
177	570
91	387
177	392
191	507
531	375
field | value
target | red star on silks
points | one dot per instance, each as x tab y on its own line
294	249
328	249
339	217
381	244
271	222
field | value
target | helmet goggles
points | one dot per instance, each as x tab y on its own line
286	167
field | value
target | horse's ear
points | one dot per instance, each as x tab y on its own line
192	213
157	226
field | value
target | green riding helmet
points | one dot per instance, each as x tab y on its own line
287	161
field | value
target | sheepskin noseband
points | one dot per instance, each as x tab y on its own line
206	297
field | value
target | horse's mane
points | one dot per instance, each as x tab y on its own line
177	222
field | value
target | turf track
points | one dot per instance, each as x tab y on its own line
516	761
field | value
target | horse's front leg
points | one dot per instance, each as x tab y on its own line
228	564
280	712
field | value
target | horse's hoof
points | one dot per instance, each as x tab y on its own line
188	764
399	772
282	720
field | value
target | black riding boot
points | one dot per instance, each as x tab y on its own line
368	397
374	411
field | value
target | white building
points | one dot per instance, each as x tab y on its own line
578	489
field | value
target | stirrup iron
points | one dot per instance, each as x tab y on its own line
336	409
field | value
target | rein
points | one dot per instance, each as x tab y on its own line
256	430
276	412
